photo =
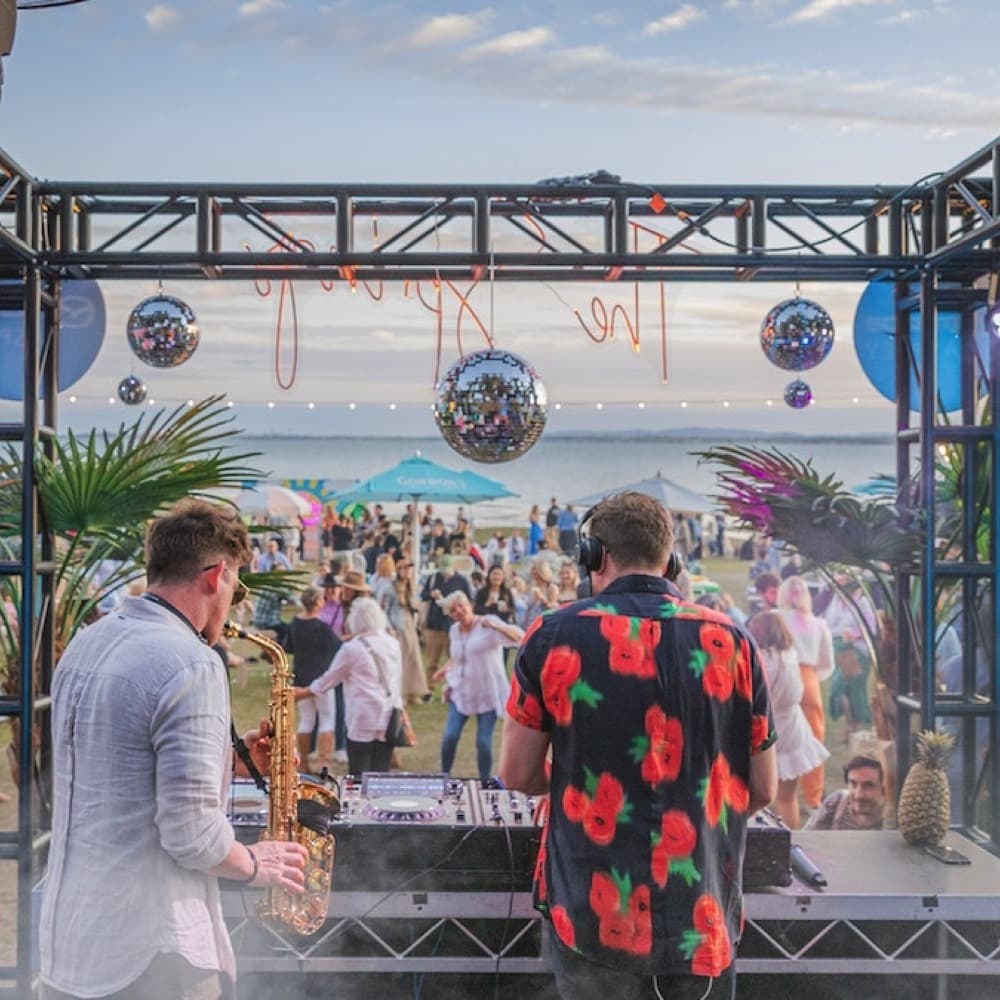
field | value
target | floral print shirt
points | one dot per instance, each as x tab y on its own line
654	708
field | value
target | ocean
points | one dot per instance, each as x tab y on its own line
565	466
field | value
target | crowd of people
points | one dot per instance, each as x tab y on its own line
448	630
655	724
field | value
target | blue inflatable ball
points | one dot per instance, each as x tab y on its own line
81	334
875	346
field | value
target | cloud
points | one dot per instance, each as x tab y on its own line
903	17
254	8
680	19
161	17
447	29
820	10
600	76
512	42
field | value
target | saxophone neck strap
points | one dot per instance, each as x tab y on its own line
242	751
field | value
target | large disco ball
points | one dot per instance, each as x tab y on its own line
798	394
132	390
796	334
491	406
162	331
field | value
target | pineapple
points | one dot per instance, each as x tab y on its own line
925	803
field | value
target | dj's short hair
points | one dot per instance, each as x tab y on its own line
634	528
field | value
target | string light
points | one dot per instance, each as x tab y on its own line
352	406
72	399
392	406
642	406
312	406
270	404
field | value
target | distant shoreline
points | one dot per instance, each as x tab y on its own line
678	436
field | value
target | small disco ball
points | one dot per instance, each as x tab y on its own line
796	334
132	390
162	331
798	394
491	406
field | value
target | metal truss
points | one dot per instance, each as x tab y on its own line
561	231
941	234
499	933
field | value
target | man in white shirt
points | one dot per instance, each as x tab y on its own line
142	765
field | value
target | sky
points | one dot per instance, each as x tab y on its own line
716	91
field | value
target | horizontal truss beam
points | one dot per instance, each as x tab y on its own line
516	232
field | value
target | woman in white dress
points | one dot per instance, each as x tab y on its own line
814	646
799	752
475	678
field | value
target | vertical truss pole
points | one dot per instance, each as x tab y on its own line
29	516
928	393
994	582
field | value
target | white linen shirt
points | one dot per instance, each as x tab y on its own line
477	677
142	763
366	704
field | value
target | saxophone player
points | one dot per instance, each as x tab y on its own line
142	764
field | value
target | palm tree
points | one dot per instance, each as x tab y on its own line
97	494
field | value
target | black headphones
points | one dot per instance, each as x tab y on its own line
591	550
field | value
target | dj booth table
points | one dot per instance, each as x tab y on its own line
889	909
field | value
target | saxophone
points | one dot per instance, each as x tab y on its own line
298	810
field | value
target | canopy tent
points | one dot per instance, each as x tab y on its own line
671	495
418	478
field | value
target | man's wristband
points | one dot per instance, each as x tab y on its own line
254	870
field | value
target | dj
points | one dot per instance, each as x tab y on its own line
658	719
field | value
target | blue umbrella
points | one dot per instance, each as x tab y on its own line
417	478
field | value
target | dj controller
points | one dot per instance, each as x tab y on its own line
420	832
402	831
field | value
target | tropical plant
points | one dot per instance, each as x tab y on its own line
97	493
845	539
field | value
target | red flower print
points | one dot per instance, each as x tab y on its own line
523	707
715	790
563	926
561	686
661	750
600	808
737	794
633	645
718	681
673	847
714	662
723	790
625	920
719	643
604	897
678	833
707	944
541	886
759	731
712	955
